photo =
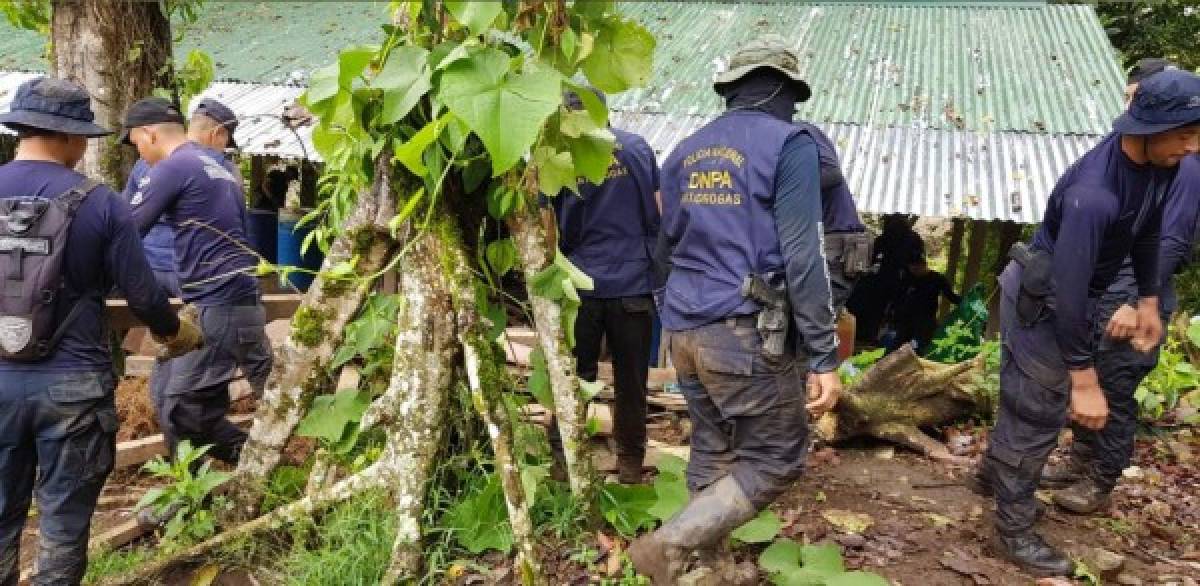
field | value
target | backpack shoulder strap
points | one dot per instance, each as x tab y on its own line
75	196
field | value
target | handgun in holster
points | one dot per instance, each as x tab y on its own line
1036	296
773	318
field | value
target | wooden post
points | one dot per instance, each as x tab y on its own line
976	245
952	258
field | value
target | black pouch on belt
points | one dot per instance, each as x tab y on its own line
849	252
1037	284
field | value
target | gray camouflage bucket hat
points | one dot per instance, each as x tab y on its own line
766	51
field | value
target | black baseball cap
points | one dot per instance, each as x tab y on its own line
221	114
149	111
1149	66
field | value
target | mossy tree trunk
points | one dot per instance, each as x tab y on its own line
120	52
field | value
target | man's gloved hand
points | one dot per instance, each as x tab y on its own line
823	391
189	336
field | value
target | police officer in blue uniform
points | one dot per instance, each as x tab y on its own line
1106	207
747	303
1087	477
609	231
212	125
58	422
199	193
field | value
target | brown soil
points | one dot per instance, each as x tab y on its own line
135	409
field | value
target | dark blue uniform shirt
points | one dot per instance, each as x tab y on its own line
838	212
159	242
1103	209
609	230
103	250
200	195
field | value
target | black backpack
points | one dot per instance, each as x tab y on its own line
33	236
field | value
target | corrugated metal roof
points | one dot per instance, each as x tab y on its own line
259	108
998	67
1003	66
928	172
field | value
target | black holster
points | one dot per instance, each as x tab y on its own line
852	251
1035	299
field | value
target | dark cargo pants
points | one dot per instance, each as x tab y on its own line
1121	369
1034	398
191	392
58	440
747	410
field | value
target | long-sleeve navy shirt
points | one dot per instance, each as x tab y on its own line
1104	208
798	216
103	250
1181	211
200	195
159	242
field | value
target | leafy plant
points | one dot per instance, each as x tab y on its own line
333	419
856	365
351	544
190	485
1172	378
115	562
791	564
480	521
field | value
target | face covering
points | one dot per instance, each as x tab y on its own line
763	90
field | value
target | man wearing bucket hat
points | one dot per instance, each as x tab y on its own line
1097	458
1108	206
57	419
212	125
199	194
742	222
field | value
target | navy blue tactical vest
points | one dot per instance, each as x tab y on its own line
718	194
609	230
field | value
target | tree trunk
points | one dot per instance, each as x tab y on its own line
536	253
317	330
976	245
952	259
120	52
413	408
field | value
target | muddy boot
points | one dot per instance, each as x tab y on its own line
662	555
1066	472
629	469
1032	554
726	571
1084	497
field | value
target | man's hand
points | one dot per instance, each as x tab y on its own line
823	391
1088	406
189	336
1124	323
1149	327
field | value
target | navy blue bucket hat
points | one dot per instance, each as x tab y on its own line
1164	101
53	104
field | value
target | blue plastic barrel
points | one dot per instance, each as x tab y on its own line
264	236
290	239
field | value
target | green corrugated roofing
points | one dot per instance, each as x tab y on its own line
1001	66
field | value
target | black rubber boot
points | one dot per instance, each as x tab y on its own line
1084	497
717	510
1033	555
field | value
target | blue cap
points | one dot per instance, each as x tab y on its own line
53	104
1164	101
221	114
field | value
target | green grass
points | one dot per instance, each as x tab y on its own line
112	563
351	544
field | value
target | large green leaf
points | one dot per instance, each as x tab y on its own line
480	521
824	558
539	379
592	154
623	56
858	578
330	414
781	556
506	109
626	507
404	79
670	487
555	171
322	85
352	62
760	529
477	15
410	153
1193	333
501	256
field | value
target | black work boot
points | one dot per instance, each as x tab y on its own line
1063	474
1084	497
662	555
1032	554
629	468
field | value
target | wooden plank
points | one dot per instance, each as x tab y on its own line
606	461
139	451
278	306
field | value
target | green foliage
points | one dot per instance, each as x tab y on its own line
760	529
185	494
791	564
1172	378
621	57
194	76
670	488
351	544
480	521
858	364
31	15
561	282
371	335
1162	28
286	484
627	507
115	563
476	15
333	419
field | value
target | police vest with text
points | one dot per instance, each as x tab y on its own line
33	237
718	197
